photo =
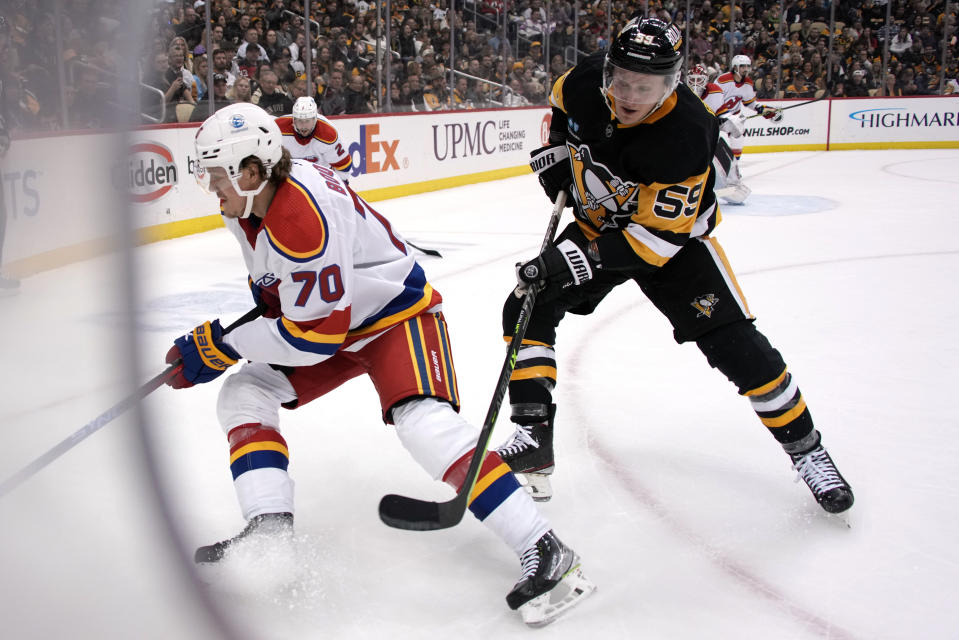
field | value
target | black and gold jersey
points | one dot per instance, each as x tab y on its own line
641	191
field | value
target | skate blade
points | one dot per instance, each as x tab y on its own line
569	592
537	485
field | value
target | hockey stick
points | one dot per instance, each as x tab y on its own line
429	252
825	94
107	416
414	514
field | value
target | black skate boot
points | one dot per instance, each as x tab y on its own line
279	525
529	452
552	582
819	472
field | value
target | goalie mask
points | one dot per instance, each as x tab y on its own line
231	135
696	79
642	68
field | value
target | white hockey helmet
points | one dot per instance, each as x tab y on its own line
231	135
304	115
739	62
696	79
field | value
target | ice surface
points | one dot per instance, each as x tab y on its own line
683	508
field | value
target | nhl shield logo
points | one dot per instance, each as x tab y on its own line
705	305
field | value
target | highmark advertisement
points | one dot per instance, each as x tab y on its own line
894	123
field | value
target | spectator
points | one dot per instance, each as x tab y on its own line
463	97
271	46
891	86
242	90
356	97
220	99
177	59
901	42
200	70
251	39
191	27
221	65
269	97
281	67
89	108
407	43
247	64
402	100
514	97
858	88
334	99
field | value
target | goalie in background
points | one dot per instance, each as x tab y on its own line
727	96
729	181
645	218
345	298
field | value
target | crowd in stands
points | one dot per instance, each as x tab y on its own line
258	53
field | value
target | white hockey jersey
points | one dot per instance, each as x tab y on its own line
343	276
734	95
323	146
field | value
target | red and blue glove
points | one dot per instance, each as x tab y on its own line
204	356
770	113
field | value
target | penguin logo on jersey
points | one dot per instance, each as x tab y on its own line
606	200
705	305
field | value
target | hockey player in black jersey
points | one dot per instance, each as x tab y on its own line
633	148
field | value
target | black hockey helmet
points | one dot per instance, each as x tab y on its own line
647	45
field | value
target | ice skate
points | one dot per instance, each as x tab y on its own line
552	582
529	453
267	525
820	474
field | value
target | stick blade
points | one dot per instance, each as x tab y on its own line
412	514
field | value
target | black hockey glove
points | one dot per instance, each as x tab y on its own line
560	266
551	166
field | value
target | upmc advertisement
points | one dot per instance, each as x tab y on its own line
61	210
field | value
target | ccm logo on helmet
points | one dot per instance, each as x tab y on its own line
151	171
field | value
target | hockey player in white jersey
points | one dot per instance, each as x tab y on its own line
309	136
345	297
729	182
737	91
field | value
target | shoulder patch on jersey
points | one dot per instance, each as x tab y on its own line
725	77
324	132
285	123
295	227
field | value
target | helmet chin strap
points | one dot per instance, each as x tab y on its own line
250	195
249	207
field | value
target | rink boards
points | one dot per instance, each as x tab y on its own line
65	198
